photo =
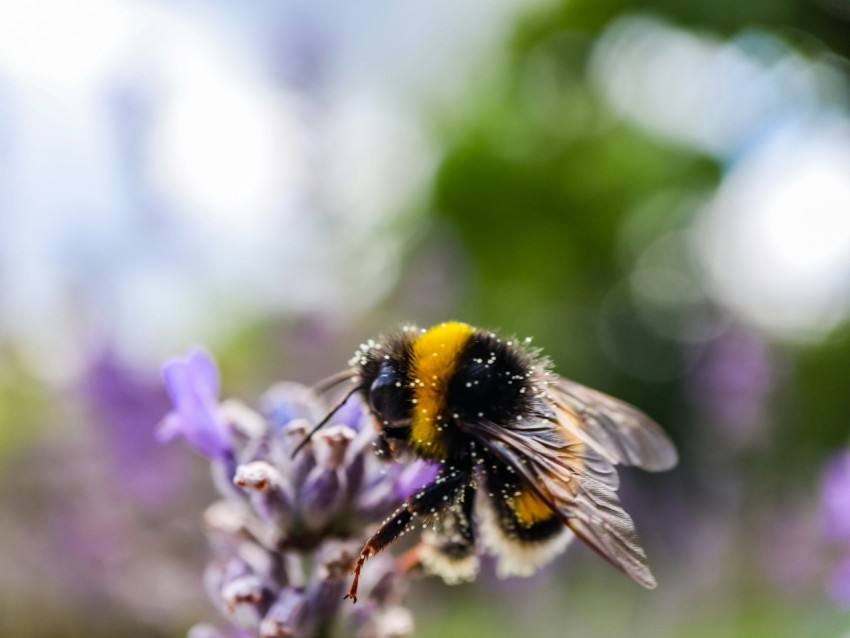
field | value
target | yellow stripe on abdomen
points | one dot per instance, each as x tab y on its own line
435	357
530	508
527	506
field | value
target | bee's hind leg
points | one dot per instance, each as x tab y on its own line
448	550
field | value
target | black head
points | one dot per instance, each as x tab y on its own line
383	370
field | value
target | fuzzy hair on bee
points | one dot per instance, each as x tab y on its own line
527	458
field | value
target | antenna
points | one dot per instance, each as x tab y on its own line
324	421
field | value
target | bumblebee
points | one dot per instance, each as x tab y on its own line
526	457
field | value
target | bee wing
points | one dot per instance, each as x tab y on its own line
576	481
616	430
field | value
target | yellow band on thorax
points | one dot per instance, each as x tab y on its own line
435	357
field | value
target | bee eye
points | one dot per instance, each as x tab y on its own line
384	396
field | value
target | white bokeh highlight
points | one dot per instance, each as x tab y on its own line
163	180
773	243
776	238
714	95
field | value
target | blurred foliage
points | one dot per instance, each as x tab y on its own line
806	20
820	401
605	616
26	408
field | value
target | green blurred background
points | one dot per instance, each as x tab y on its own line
657	192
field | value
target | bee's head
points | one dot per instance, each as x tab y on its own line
382	367
379	368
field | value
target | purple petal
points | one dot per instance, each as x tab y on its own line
351	414
329	580
203	369
192	384
835	497
287	402
378	496
169	428
287	615
321	497
414	477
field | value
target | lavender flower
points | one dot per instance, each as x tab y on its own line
835	497
125	403
839	585
731	385
192	383
287	530
835	518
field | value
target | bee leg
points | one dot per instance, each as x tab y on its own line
448	550
390	440
411	559
460	537
428	500
382	448
386	534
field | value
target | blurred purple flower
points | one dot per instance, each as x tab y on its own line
835	520
302	50
192	383
790	547
839	586
835	497
732	383
126	404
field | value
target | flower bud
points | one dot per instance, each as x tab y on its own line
286	402
287	617
268	491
